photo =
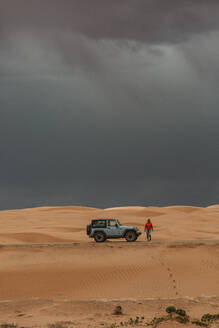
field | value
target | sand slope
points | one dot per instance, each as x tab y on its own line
80	282
110	270
69	223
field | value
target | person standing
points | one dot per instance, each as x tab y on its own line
148	228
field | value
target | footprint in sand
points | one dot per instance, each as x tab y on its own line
173	281
171	276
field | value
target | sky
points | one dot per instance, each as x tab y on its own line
109	103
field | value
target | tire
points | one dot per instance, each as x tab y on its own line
131	236
99	236
88	229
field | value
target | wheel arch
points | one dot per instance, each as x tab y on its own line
103	232
127	230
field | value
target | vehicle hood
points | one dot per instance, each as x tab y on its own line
129	227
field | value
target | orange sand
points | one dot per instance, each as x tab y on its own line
51	224
70	276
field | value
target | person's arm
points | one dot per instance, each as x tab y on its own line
152	227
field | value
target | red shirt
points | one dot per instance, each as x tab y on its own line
148	226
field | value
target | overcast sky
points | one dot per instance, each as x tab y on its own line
109	102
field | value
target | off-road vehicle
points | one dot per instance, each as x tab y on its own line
102	229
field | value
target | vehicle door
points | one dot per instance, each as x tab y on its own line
113	229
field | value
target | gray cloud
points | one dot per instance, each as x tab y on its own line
114	103
152	21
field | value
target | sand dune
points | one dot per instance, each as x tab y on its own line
47	224
186	209
66	208
31	237
59	274
82	283
110	271
135	211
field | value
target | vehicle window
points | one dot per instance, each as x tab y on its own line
99	224
112	223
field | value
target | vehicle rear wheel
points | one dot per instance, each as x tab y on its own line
88	229
99	237
131	236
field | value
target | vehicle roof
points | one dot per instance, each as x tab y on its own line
103	219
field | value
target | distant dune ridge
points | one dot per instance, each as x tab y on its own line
68	223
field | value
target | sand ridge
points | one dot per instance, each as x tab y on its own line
69	223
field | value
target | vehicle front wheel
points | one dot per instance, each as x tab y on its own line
99	237
131	236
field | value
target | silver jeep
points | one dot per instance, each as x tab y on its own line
102	229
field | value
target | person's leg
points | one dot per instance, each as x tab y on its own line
147	234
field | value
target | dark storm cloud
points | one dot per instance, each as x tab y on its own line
152	21
108	102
